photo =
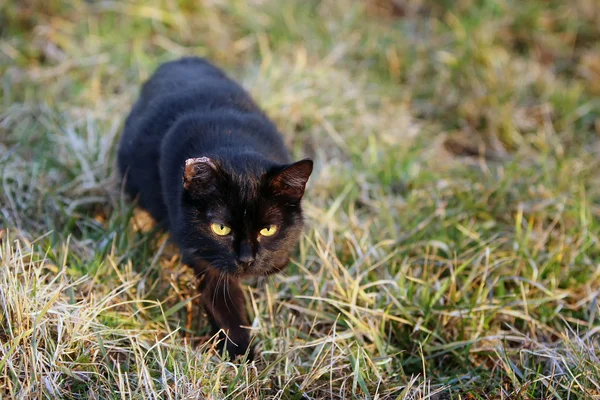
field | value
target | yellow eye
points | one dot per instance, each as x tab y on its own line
220	229
269	230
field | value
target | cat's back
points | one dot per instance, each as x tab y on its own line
178	87
189	74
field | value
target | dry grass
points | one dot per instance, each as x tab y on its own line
452	249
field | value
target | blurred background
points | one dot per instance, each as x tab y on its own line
453	228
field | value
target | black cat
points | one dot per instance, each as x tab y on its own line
210	167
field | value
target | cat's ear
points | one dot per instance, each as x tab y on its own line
199	174
291	180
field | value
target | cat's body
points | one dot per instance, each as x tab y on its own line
210	167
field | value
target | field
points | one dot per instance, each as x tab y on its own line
452	247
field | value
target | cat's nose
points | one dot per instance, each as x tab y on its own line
246	261
245	256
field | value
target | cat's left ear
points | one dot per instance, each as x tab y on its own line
199	174
291	181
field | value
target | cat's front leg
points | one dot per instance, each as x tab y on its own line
223	299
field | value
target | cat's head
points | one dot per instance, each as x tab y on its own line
241	221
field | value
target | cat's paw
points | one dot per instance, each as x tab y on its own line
241	351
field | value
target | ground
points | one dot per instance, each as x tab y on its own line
453	219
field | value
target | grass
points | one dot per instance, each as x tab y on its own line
452	248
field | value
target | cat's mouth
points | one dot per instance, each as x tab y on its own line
237	269
244	268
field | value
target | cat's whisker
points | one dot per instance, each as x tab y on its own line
226	291
216	289
231	298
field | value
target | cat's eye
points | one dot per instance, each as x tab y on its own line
269	230
220	229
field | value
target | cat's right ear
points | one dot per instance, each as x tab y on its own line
199	175
290	181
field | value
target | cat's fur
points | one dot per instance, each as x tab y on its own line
197	150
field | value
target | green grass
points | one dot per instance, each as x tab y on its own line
452	248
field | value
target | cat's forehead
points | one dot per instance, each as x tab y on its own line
245	212
247	189
243	198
